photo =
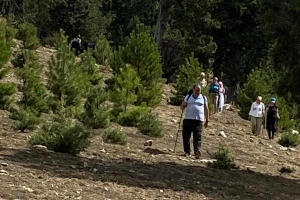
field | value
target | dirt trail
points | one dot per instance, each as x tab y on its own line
134	171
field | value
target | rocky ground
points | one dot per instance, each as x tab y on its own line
134	171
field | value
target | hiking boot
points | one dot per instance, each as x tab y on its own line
197	154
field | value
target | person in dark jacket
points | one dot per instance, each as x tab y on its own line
271	118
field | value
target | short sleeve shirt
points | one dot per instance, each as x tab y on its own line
195	107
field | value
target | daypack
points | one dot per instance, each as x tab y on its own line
214	88
190	94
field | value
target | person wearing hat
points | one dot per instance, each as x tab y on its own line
271	118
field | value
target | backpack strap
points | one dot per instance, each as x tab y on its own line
204	97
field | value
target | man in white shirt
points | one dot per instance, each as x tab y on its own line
256	115
197	115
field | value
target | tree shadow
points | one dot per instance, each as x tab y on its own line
217	184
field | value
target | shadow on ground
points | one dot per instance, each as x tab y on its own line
239	184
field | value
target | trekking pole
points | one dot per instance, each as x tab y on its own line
178	130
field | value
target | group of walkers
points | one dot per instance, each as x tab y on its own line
197	115
267	116
217	94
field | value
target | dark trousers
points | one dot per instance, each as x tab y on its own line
191	126
271	128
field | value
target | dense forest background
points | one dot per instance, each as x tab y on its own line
251	44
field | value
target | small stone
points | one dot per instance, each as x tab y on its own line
174	120
3	172
95	170
28	189
103	151
148	143
73	166
105	188
251	140
161	191
292	149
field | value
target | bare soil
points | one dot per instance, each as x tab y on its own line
134	171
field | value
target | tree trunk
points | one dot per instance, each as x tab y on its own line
161	17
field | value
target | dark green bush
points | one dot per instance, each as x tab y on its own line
66	136
149	125
289	139
114	136
223	158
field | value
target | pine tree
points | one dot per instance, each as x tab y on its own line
34	91
6	89
126	84
141	52
103	51
66	80
189	74
89	66
28	34
96	113
34	98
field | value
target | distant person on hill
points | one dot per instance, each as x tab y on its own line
214	93
196	116
256	115
271	118
221	96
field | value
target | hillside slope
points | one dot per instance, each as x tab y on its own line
134	171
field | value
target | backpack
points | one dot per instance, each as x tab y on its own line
190	94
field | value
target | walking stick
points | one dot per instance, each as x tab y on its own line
178	129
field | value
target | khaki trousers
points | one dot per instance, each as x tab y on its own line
256	124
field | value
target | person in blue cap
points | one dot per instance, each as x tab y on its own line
271	118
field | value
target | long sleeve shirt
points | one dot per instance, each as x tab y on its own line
257	110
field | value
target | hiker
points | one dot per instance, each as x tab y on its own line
76	44
221	96
271	118
256	115
214	93
196	116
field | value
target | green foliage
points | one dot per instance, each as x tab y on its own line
240	40
114	136
103	51
150	125
34	91
65	135
189	25
132	116
66	79
189	74
223	159
141	52
96	113
88	65
6	89
26	119
126	84
28	34
289	139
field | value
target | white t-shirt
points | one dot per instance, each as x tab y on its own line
195	107
257	110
